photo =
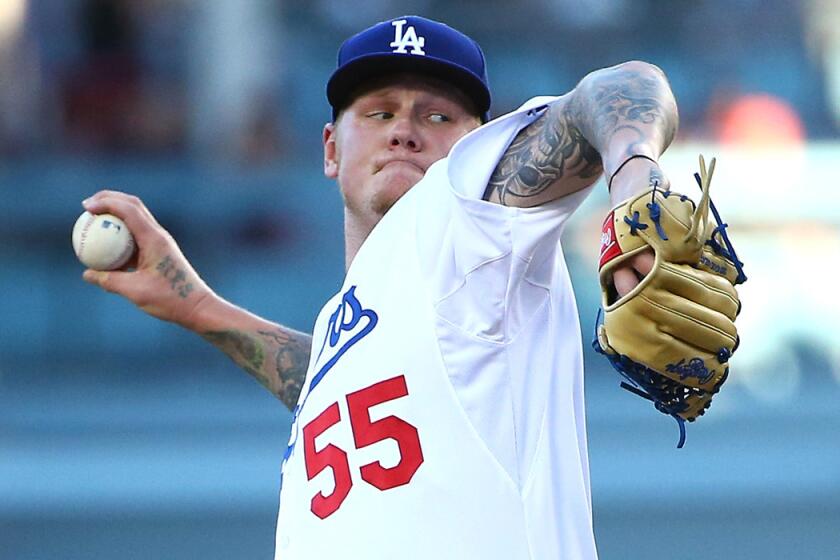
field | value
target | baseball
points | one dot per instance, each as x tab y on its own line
102	241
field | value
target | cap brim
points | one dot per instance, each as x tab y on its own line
347	80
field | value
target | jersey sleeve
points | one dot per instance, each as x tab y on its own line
504	311
489	265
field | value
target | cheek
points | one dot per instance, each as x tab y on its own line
352	176
461	132
350	185
440	148
350	161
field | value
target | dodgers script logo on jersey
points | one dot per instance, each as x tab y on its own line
345	319
347	316
407	39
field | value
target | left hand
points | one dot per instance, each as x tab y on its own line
628	274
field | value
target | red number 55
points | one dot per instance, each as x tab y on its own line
365	433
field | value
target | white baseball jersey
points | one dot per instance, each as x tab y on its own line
442	414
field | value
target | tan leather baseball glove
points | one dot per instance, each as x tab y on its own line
672	336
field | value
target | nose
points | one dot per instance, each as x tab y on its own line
404	133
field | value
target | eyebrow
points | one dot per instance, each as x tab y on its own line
426	100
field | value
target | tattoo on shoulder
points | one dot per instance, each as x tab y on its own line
285	374
541	154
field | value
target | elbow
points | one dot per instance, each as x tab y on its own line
657	82
642	68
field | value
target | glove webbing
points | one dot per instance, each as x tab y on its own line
647	383
729	252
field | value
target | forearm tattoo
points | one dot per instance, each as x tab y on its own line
568	140
278	359
629	101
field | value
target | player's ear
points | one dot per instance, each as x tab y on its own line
330	152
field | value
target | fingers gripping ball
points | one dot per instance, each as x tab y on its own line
671	337
102	241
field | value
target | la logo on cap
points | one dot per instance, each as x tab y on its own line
407	39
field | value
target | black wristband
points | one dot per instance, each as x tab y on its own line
623	163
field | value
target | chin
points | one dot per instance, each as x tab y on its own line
381	204
392	190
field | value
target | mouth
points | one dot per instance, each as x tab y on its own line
399	163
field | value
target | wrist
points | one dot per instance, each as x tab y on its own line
636	175
201	315
625	162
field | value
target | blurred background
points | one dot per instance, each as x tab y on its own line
121	436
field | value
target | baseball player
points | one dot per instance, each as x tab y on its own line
438	405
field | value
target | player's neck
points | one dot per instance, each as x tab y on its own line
356	230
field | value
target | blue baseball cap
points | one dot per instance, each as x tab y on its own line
410	44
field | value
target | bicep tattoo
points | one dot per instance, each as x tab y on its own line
542	154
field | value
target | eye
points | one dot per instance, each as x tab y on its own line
439	118
381	115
